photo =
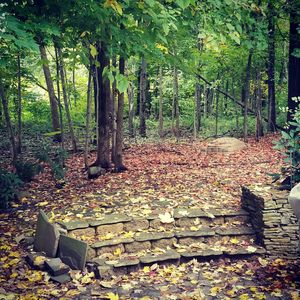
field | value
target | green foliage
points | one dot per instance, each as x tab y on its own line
9	187
26	170
289	145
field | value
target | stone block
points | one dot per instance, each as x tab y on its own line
112	242
137	246
82	233
110	219
198	233
115	229
157	224
104	272
91	253
56	267
74	224
73	252
152	236
126	263
163	243
136	224
235	231
110	249
201	254
64	278
169	255
46	236
36	260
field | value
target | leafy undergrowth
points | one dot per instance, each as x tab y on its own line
160	178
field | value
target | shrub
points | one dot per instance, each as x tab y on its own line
26	170
9	187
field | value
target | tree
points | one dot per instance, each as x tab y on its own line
142	104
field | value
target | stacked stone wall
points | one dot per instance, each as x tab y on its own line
273	220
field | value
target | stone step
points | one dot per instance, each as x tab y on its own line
105	268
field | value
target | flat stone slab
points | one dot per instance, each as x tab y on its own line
61	278
189	213
152	236
168	255
110	219
126	263
198	233
56	267
225	144
73	252
74	224
46	236
235	231
112	242
199	254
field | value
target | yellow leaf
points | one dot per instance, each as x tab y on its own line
42	203
39	260
14	261
146	269
295	295
234	241
54	293
14	275
14	254
112	296
244	297
251	249
72	293
128	234
194	228
118	252
93	51
214	291
118	8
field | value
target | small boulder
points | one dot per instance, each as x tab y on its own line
225	144
95	171
294	199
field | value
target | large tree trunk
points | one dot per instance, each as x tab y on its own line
130	93
119	166
247	93
113	119
143	87
217	112
88	120
271	69
197	109
8	122
294	65
103	105
19	109
259	132
51	92
175	104
160	114
65	98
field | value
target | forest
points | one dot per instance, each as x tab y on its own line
109	113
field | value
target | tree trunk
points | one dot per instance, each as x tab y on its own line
65	98
51	92
175	103
271	69
130	93
205	102
88	120
160	116
217	112
259	132
119	166
247	94
283	68
19	135
103	105
197	109
113	124
8	122
294	66
143	87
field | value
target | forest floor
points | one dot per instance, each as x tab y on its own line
161	176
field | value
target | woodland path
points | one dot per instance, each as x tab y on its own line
161	177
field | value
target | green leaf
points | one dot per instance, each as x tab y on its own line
93	51
183	3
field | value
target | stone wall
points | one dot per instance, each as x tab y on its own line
273	220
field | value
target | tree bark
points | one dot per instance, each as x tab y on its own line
119	166
103	104
247	94
160	114
8	122
175	103
271	69
88	120
19	135
51	92
143	87
217	112
259	132
294	65
65	98
130	93
197	109
113	124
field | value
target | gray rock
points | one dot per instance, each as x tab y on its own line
236	231
36	260
64	278
56	267
111	219
126	263
73	252
199	254
75	224
168	255
294	200
112	242
95	171
152	236
46	236
199	233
